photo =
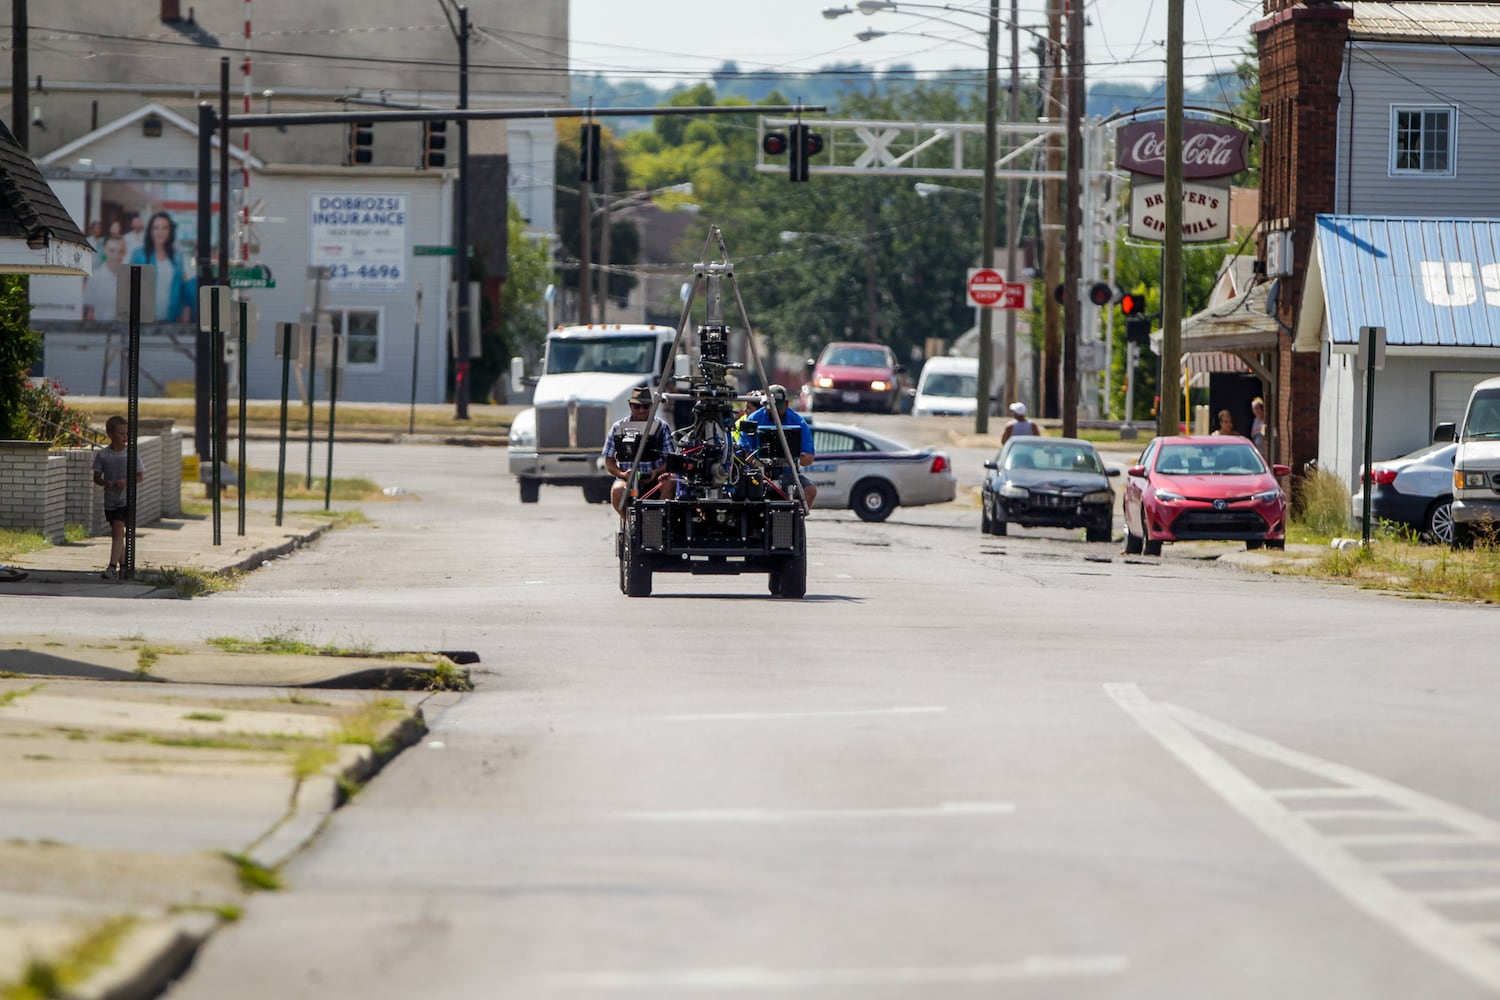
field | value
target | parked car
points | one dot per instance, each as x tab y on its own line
872	474
854	376
1192	488
947	386
1415	490
1047	481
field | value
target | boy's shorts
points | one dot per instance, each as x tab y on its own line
113	514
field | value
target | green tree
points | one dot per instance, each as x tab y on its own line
523	313
18	349
624	238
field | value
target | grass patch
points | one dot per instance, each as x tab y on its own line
308	761
262	483
254	877
58	977
361	725
9	696
1321	506
430	418
15	543
189	581
449	676
75	533
148	656
205	716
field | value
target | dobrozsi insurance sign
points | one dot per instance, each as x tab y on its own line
360	238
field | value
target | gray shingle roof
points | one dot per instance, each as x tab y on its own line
29	210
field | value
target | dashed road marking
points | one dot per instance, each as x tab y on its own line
1464	945
759	979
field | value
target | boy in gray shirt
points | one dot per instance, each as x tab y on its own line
110	471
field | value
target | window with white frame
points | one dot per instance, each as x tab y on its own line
1422	140
361	329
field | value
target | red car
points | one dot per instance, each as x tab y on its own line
1191	488
853	376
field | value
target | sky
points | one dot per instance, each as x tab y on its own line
665	41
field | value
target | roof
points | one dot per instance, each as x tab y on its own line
1437	23
37	236
1425	280
1236	318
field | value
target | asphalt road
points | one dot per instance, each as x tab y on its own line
963	766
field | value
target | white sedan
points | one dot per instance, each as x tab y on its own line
872	474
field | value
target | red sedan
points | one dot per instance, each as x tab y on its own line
1190	488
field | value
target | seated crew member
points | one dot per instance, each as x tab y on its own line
652	473
798	436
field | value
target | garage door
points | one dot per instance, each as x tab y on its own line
1450	394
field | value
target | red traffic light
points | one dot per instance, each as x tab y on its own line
1100	294
1132	304
774	143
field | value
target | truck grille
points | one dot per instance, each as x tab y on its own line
576	425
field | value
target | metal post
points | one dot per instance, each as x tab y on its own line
221	412
133	410
202	362
312	383
244	314
416	346
286	379
987	223
216	366
606	221
465	347
1369	478
333	398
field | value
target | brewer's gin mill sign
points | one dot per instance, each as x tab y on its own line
1211	154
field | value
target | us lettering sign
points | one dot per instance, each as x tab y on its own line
986	286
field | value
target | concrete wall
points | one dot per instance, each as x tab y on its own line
43	490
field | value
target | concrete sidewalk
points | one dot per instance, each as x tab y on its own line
147	786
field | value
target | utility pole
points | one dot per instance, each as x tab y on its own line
1052	225
606	222
1073	270
987	225
1012	195
461	227
1167	418
20	71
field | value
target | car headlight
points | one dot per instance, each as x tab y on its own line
522	432
1167	496
1013	492
1269	496
823	382
1100	496
1469	480
880	386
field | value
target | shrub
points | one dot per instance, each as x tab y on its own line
1321	503
45	416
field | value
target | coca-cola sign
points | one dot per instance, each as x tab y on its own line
1208	150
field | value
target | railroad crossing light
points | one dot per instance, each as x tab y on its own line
1132	304
1100	294
588	152
802	144
434	141
774	143
361	139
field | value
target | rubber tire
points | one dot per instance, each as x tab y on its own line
1133	542
1276	544
1251	544
793	575
1097	534
1150	547
1437	524
998	527
635	577
1463	537
596	493
986	526
872	499
530	490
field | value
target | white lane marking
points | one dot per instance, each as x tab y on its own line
1393	839
1333	814
1423	866
1318	793
752	978
1474	894
1457	945
829	714
948	810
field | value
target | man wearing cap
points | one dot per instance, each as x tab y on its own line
798	435
652	472
1018	425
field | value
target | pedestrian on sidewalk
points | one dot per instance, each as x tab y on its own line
111	465
1018	425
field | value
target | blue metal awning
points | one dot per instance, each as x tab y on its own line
1432	283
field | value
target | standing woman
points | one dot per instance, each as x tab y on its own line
1258	425
174	302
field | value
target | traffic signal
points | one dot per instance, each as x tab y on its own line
589	139
802	144
1133	304
361	141
434	141
1137	330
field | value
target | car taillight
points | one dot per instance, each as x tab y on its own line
1383	477
939	464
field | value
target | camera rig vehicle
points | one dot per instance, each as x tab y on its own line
731	501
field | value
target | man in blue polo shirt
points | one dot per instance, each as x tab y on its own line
798	435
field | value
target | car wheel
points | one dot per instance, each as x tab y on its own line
1132	540
873	500
1099	534
1278	544
530	490
596	493
1254	543
635	576
1463	537
985	524
997	524
1151	546
1438	524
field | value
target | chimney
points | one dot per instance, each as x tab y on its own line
170	11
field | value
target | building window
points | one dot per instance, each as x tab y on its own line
1422	141
362	330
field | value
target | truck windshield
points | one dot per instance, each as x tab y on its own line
1484	416
951	384
624	355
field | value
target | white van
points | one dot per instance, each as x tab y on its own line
1476	464
947	385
